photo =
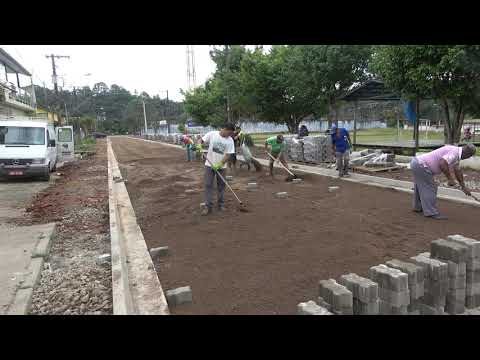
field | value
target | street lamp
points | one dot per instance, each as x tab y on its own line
168	125
144	116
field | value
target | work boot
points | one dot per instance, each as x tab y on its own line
206	211
438	217
221	208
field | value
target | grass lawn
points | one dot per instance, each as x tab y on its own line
366	136
86	144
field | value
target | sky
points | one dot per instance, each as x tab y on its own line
150	68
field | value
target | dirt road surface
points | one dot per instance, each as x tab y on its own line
270	259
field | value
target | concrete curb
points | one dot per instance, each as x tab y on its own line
45	241
135	284
22	303
23	297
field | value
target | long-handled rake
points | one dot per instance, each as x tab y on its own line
241	205
292	175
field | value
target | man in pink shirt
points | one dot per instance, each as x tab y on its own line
424	167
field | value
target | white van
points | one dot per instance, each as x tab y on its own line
27	148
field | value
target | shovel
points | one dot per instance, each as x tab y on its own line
241	205
292	175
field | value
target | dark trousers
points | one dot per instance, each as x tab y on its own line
209	179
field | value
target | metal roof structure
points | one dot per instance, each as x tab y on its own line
12	66
371	90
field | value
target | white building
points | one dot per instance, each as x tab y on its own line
17	93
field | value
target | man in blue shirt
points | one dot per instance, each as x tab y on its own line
341	146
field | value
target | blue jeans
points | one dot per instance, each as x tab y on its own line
209	179
189	153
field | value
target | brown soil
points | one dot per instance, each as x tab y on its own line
270	259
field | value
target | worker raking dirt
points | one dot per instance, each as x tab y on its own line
220	148
277	151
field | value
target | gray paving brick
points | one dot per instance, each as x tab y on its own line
456	269
311	308
361	308
394	298
361	288
473	245
389	278
434	269
448	250
336	295
415	272
458	282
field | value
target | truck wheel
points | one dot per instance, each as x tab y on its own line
46	176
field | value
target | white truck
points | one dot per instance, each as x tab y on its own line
30	148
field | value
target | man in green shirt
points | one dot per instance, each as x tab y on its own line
277	150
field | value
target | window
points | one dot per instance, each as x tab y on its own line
14	135
65	135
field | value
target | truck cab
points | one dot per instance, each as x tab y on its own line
27	149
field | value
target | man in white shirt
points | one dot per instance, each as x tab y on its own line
220	148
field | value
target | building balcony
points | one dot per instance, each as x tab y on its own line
18	98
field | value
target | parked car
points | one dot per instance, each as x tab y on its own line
27	149
99	135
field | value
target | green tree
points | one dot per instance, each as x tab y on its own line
448	73
329	71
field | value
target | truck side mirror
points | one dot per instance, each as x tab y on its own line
52	143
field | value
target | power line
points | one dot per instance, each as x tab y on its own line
54	68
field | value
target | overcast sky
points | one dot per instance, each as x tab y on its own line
150	68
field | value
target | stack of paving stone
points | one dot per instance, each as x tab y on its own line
455	255
170	139
318	149
416	285
436	284
311	308
392	289
335	297
365	294
294	148
472	299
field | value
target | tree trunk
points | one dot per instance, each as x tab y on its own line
292	124
447	131
453	124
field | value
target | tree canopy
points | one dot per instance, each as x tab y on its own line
119	110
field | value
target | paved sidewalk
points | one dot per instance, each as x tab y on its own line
17	243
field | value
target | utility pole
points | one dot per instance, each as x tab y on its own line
54	70
145	117
66	112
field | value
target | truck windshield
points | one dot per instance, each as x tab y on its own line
13	135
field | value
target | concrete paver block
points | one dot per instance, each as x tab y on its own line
363	289
448	250
281	195
311	308
178	296
415	273
333	188
337	295
389	278
473	245
296	181
104	259
159	251
229	177
394	298
434	269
